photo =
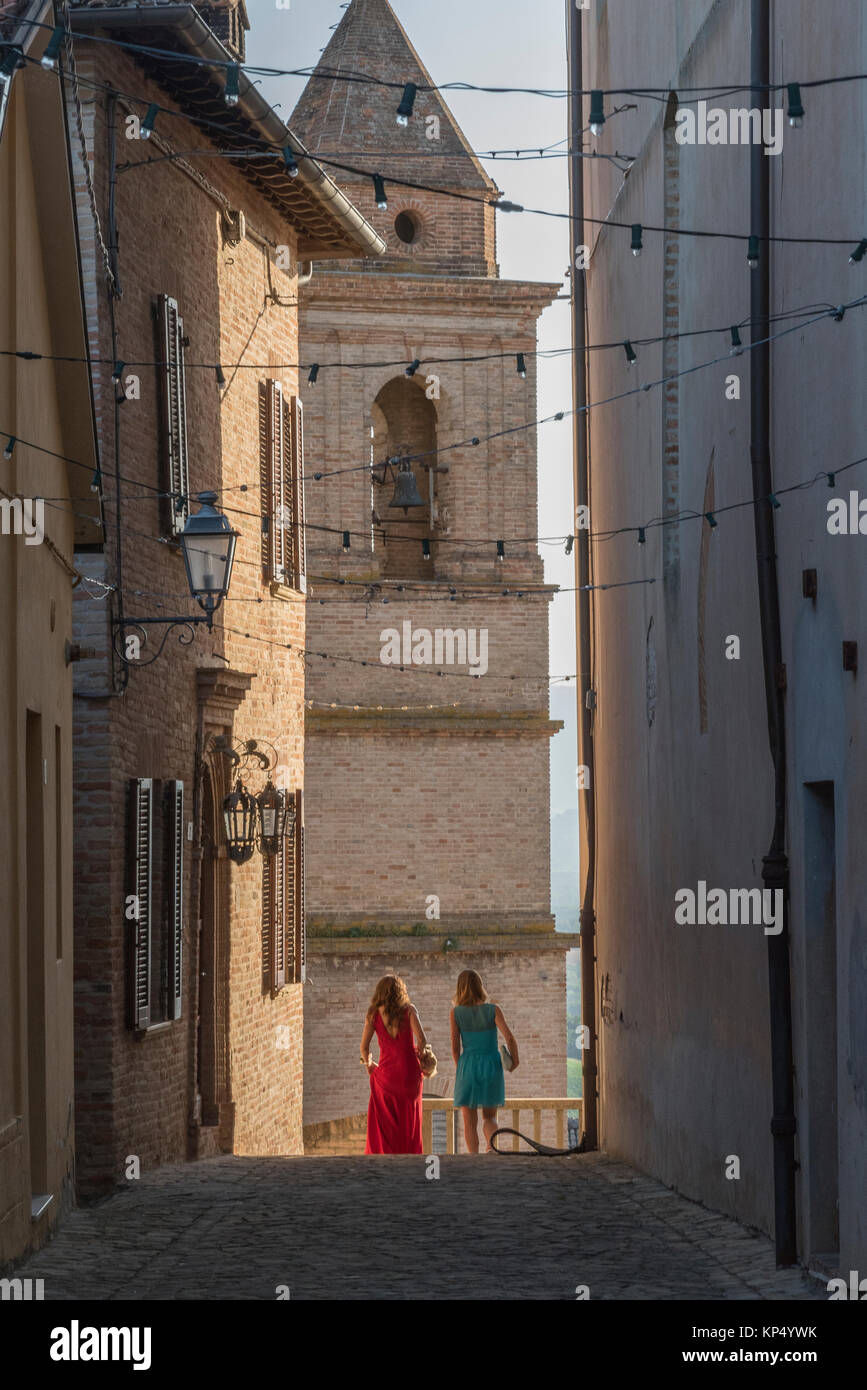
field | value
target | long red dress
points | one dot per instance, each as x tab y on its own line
395	1109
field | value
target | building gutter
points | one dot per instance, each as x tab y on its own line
201	42
581	454
775	870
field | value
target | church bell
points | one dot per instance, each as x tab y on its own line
406	493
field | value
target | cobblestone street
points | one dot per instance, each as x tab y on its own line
376	1228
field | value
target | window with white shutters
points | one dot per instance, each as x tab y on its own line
281	464
175	470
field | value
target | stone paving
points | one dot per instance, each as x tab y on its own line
377	1228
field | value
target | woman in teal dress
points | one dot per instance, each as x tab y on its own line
479	1080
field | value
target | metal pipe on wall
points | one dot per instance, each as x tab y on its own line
582	579
775	870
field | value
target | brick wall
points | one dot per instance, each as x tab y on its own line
138	1095
529	986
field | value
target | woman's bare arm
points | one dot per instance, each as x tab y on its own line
456	1037
415	1021
366	1038
508	1036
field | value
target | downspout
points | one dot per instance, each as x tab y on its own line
582	580
775	870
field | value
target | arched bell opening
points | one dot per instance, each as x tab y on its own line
404	424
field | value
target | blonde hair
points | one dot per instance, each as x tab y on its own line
470	989
391	993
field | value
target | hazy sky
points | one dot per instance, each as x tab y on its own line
495	43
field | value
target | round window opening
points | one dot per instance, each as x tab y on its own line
406	227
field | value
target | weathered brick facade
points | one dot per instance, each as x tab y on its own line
427	783
226	1073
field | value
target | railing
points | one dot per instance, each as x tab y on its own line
515	1106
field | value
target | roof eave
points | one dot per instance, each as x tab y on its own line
200	41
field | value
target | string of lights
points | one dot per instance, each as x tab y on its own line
290	156
837	315
475	441
233	71
546	354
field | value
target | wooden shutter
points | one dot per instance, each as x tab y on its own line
174	823
176	467
141	792
294	428
280	906
300	894
274	483
267	922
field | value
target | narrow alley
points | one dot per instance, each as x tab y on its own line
510	1228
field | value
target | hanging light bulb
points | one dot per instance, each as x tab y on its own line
425	549
637	239
737	346
413	367
379	192
631	354
149	121
522	366
597	114
832	479
407	102
313	374
96	481
501	550
231	92
796	106
753	253
711	520
117	373
858	254
642	535
10	445
55	43
290	161
775	502
570	544
346	540
221	377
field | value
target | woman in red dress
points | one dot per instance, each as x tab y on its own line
395	1110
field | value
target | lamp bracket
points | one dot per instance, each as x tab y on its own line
120	627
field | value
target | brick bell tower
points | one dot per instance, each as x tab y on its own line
427	789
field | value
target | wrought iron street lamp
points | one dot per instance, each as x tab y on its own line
208	547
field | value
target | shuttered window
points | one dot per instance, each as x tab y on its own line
300	921
281	479
139	900
155	892
284	945
175	857
175	466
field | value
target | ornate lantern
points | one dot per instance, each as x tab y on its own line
241	817
273	813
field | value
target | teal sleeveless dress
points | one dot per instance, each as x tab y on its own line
479	1081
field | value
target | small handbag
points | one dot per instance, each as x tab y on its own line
427	1061
508	1060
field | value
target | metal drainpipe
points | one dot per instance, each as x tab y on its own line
775	870
582	578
